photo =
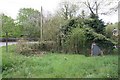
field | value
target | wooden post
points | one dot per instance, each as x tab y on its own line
41	35
6	41
41	24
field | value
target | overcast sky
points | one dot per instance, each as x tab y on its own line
11	7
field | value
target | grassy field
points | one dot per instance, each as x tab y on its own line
58	65
0	63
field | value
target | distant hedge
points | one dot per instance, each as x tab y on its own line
9	39
16	39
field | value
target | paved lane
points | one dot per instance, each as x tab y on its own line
4	43
10	43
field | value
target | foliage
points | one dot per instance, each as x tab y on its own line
75	42
71	24
101	40
58	66
91	33
47	46
26	48
25	13
92	22
109	28
17	31
23	48
8	25
96	23
51	27
29	20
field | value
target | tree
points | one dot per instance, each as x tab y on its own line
97	7
8	25
29	19
17	32
76	40
68	10
52	26
109	31
92	28
97	24
109	28
25	14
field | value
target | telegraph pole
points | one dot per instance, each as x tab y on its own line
41	25
41	30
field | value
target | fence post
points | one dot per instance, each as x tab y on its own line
6	41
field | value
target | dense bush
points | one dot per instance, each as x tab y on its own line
71	24
97	24
23	47
26	48
101	40
73	38
75	43
93	22
47	46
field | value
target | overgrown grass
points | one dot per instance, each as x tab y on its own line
0	64
58	65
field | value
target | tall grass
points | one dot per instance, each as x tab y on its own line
0	64
58	66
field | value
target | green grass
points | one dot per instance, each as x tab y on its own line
0	64
58	66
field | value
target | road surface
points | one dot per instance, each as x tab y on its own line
10	43
4	43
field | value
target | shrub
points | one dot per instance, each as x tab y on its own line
92	29
26	48
47	46
80	40
96	23
23	47
75	42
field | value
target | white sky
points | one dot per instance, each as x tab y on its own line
11	7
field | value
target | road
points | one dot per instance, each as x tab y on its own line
10	43
4	43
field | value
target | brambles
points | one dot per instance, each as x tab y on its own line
27	48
